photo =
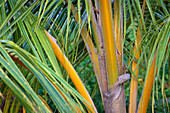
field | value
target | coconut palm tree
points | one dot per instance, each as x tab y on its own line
47	48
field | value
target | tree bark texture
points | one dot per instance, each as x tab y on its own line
114	97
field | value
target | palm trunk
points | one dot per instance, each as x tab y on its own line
113	97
